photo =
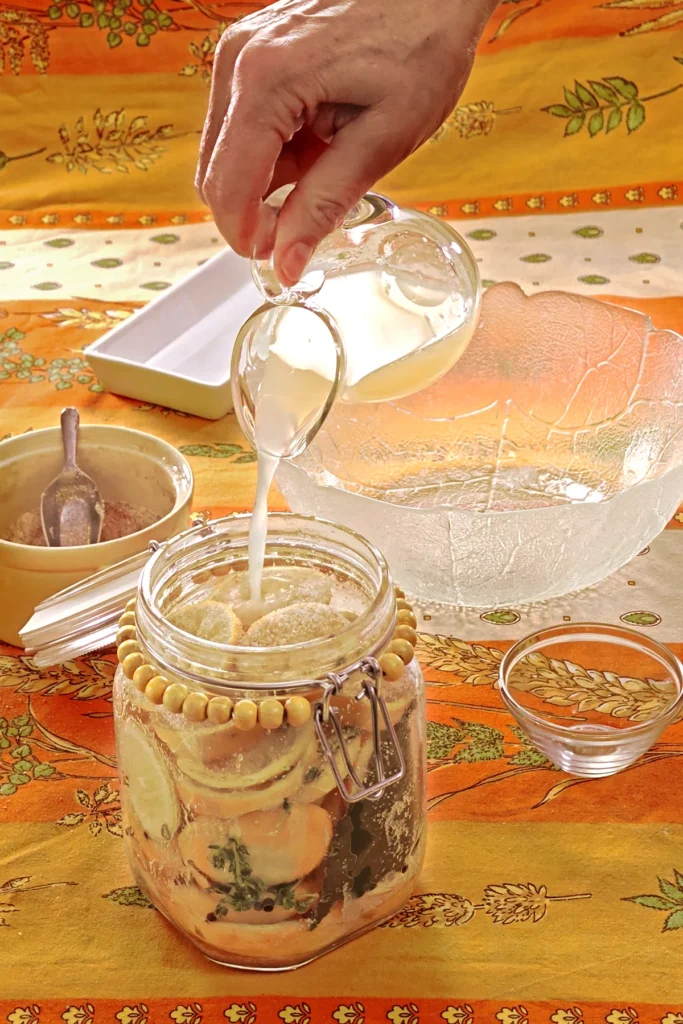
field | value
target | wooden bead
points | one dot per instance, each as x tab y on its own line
142	676
126	633
222	570
271	713
127	619
126	648
244	715
406	618
403	632
174	696
392	667
298	711
131	663
194	707
155	689
130	607
399	592
403	605
403	649
219	710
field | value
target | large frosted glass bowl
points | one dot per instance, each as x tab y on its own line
547	458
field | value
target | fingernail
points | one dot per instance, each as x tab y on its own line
294	262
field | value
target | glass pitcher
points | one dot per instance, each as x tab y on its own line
273	798
386	306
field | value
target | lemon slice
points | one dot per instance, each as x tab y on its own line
251	944
360	765
398	697
231	803
196	910
204	741
281	586
285	844
208	620
272	754
275	846
287	944
150	785
300	583
319	779
295	624
158	860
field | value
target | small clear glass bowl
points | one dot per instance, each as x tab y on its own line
593	698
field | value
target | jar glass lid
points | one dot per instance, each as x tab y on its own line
84	617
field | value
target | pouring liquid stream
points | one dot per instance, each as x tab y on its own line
288	397
398	340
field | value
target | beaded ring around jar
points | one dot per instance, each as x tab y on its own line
270	713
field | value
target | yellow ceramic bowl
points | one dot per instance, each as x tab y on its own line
127	466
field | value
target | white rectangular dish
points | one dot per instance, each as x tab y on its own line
176	351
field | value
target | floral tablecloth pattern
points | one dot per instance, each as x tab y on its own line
544	898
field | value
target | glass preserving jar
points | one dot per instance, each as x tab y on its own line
273	797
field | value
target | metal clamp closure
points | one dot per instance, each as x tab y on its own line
325	715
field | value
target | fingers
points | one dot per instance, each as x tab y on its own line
230	45
297	157
332	117
237	178
250	140
359	154
227	52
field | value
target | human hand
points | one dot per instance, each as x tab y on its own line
331	94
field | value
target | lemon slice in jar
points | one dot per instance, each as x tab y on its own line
208	620
267	756
319	779
195	911
272	847
360	765
295	624
150	785
398	696
202	740
231	803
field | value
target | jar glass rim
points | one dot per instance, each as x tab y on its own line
590	631
180	652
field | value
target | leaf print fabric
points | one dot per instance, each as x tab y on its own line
604	104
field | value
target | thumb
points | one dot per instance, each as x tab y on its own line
359	154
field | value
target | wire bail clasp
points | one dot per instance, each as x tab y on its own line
325	715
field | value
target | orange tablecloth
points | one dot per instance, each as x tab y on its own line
544	898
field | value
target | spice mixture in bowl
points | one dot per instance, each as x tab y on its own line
120	520
146	486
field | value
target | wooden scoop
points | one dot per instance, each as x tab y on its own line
71	508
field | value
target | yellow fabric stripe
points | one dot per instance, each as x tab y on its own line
599	940
526	150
